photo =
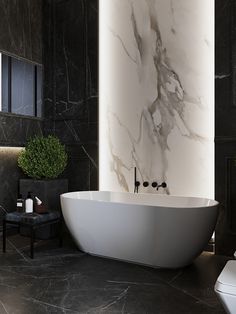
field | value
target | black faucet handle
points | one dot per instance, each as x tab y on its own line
137	183
145	184
163	185
154	184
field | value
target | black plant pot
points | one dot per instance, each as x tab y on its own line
48	191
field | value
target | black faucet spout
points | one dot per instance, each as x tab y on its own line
136	183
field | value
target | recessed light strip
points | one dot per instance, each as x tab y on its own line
0	81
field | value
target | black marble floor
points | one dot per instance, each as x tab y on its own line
65	280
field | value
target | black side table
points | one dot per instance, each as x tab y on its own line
32	221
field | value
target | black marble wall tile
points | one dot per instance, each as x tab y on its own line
81	174
21	36
21	28
225	127
70	64
48	59
71	85
92	44
70	61
82	167
75	131
225	194
223	69
92	104
15	130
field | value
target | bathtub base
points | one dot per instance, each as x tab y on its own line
166	264
136	263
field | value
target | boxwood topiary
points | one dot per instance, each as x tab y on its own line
43	157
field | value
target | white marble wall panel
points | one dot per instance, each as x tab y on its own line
157	95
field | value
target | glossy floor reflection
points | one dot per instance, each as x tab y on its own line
65	280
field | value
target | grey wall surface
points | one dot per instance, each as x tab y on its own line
225	126
20	36
71	86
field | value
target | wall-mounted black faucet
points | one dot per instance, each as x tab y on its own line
157	186
136	183
146	183
154	184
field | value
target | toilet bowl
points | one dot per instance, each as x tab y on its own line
225	287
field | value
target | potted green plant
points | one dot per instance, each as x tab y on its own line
43	160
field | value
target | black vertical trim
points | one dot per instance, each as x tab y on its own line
35	92
232	56
53	14
86	61
9	84
230	195
86	56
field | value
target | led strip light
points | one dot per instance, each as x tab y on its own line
0	81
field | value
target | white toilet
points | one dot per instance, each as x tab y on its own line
225	287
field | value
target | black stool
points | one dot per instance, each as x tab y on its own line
32	221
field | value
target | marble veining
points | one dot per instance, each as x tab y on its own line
70	88
154	96
20	25
222	76
66	280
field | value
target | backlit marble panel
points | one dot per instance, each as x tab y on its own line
157	95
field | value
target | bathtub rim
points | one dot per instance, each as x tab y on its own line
213	203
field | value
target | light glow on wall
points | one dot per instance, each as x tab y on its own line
0	81
12	149
169	137
104	61
11	152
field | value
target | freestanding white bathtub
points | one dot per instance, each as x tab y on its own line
150	229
